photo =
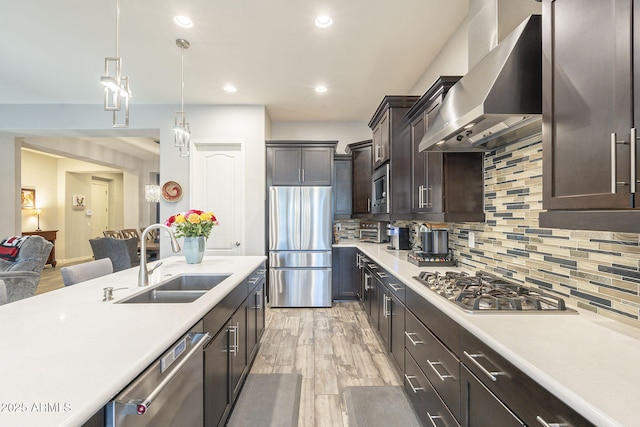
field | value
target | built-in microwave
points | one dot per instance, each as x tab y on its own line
380	190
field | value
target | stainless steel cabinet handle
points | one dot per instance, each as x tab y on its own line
442	377
372	266
614	162
141	408
409	378
414	342
420	187
234	347
395	287
493	375
432	418
383	275
302	175
368	205
546	424
633	140
385	306
427	197
259	298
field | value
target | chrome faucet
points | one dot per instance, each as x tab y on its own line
143	277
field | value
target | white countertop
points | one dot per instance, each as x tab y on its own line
66	353
590	362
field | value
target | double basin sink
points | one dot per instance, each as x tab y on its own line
180	289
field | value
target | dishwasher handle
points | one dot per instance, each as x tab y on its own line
141	407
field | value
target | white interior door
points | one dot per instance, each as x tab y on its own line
217	184
100	208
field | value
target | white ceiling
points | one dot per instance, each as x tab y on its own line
52	52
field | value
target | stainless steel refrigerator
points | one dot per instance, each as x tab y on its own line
300	227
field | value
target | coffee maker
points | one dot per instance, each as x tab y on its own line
399	237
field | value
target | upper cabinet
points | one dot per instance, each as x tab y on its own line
444	186
391	144
308	163
591	80
342	188
361	161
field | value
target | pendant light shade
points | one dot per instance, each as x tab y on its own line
181	129
116	86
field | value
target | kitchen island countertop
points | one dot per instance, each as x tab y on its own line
66	353
589	361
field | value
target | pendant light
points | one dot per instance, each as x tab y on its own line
181	130
116	86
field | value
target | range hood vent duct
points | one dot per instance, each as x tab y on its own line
499	101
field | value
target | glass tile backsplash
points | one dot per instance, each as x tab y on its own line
595	270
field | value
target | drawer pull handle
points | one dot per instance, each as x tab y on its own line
442	377
546	424
491	374
432	418
414	342
372	266
395	287
382	275
409	378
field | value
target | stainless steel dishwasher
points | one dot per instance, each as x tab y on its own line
168	393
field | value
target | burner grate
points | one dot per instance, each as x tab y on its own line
485	292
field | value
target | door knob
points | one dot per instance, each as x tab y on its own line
237	243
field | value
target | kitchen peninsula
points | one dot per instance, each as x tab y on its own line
66	353
587	361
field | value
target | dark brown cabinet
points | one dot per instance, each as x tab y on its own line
345	276
361	166
589	126
300	162
445	187
391	143
342	188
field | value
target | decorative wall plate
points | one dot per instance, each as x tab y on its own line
171	191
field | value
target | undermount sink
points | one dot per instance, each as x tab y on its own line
180	289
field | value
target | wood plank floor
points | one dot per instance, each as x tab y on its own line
332	348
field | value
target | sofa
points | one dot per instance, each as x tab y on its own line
22	275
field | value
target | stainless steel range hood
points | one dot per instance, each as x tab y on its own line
499	101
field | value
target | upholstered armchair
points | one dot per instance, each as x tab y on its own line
21	277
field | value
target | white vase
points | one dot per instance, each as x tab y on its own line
193	249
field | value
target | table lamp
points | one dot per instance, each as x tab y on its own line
38	212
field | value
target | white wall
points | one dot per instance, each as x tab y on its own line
451	61
343	132
37	172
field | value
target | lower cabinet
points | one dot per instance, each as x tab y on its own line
216	371
345	274
424	399
237	324
480	407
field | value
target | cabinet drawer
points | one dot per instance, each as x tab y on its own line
441	325
438	364
425	401
394	285
525	397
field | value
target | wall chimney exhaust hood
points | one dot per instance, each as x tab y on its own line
499	100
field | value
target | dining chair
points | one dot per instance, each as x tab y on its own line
86	271
128	233
112	233
122	252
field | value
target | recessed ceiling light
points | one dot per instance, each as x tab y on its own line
183	21
324	21
321	89
230	88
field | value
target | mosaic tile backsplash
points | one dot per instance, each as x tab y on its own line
595	270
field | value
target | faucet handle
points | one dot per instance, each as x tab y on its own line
155	266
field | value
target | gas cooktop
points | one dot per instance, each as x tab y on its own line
486	293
